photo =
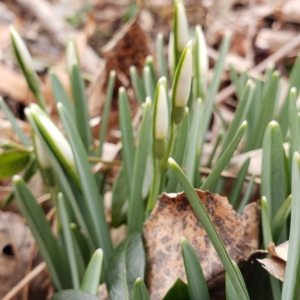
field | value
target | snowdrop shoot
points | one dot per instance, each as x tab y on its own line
182	83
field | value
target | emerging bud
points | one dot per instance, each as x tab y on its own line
180	26
182	83
26	64
41	154
55	139
161	118
72	57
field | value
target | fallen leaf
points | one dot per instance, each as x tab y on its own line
275	264
16	245
172	218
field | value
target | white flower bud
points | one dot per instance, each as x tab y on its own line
183	79
162	111
171	56
181	30
202	61
41	154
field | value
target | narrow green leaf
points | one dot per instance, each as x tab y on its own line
213	235
235	80
137	85
81	110
236	189
283	119
150	63
12	162
127	264
128	148
239	115
69	242
293	126
92	275
10	116
148	82
196	281
136	207
179	291
267	110
247	195
60	95
161	60
192	147
230	290
140	291
214	86
93	199
73	295
119	199
291	283
215	147
107	105
281	217
178	151
41	231
224	159
273	185
243	79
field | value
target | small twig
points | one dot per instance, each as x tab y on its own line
26	280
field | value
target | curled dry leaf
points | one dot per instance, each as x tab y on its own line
276	264
173	218
16	245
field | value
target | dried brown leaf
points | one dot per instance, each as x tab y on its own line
172	218
275	264
16	245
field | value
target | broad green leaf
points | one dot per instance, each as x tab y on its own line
140	291
12	162
202	215
73	295
119	199
89	188
224	159
236	189
136	207
42	233
178	291
92	275
291	283
273	185
126	265
196	281
69	242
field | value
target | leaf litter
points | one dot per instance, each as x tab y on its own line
173	218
